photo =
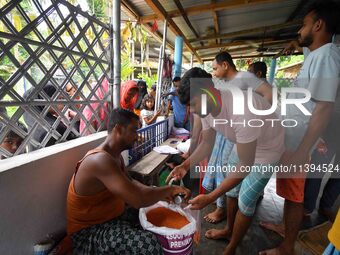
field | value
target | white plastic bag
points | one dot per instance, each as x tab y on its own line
196	214
184	147
173	241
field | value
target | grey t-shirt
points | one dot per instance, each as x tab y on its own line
320	74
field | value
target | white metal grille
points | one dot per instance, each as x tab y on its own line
51	42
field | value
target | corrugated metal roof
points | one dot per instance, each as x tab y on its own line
254	15
190	3
257	16
141	7
168	5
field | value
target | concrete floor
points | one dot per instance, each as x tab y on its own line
270	208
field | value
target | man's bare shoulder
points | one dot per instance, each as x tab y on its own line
96	171
100	162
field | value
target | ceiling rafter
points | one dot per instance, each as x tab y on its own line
247	47
247	31
216	24
249	56
237	43
233	4
160	11
185	17
131	12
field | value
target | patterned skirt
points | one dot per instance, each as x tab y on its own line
117	236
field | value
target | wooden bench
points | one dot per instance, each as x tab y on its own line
146	170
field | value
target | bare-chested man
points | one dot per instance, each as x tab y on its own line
99	190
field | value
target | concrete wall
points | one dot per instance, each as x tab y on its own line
33	190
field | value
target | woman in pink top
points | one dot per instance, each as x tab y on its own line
128	98
101	108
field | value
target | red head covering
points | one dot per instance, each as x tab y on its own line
125	102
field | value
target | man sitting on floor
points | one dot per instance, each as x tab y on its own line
99	189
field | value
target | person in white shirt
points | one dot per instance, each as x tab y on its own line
320	75
225	69
259	68
225	75
257	148
147	113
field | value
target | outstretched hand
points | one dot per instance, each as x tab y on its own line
200	202
158	112
177	173
289	49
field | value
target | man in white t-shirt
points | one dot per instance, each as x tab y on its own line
225	69
259	145
319	74
225	75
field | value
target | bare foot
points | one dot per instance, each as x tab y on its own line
216	216
277	251
278	228
218	234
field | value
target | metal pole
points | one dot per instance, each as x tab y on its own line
272	71
158	76
192	61
160	67
178	54
116	53
133	57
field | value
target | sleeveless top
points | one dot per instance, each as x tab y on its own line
85	211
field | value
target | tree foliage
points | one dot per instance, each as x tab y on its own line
242	64
98	8
149	79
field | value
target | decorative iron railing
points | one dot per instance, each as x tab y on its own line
51	42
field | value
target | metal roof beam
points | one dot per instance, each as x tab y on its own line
240	43
160	11
233	4
249	56
185	17
247	31
248	47
229	44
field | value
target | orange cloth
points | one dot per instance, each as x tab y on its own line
85	211
334	233
291	188
125	101
137	111
164	217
